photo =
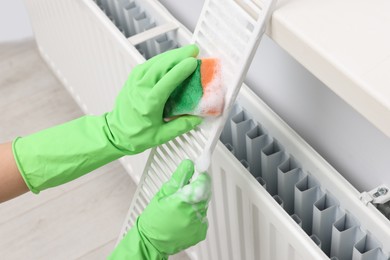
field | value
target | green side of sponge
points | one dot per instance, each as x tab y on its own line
185	98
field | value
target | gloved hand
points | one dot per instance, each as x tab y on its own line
137	119
175	219
65	152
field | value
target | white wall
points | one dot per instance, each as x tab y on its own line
14	21
342	136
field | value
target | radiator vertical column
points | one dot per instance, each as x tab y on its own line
271	157
367	249
240	125
345	233
325	212
226	135
256	140
306	193
289	174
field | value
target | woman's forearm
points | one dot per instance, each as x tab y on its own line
11	181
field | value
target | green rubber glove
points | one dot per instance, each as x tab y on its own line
65	152
175	219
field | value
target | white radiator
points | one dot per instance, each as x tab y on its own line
274	197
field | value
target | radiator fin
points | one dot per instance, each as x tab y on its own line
317	212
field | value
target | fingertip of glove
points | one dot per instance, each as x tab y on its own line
204	176
186	165
190	63
185	123
193	49
183	173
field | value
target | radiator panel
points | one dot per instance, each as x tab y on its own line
245	222
326	221
252	215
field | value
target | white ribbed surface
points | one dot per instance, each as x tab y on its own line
246	222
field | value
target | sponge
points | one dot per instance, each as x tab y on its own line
200	94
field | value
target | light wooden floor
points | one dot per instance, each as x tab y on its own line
79	220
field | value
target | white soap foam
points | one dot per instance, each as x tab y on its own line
213	97
197	191
202	163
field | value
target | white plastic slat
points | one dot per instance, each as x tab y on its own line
152	33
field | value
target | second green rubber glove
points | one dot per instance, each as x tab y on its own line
65	152
174	220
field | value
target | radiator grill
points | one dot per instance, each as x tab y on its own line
132	18
273	196
298	192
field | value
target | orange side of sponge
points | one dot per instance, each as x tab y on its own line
212	101
200	94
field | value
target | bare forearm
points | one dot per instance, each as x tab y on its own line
11	181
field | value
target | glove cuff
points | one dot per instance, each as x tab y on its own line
65	152
21	169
